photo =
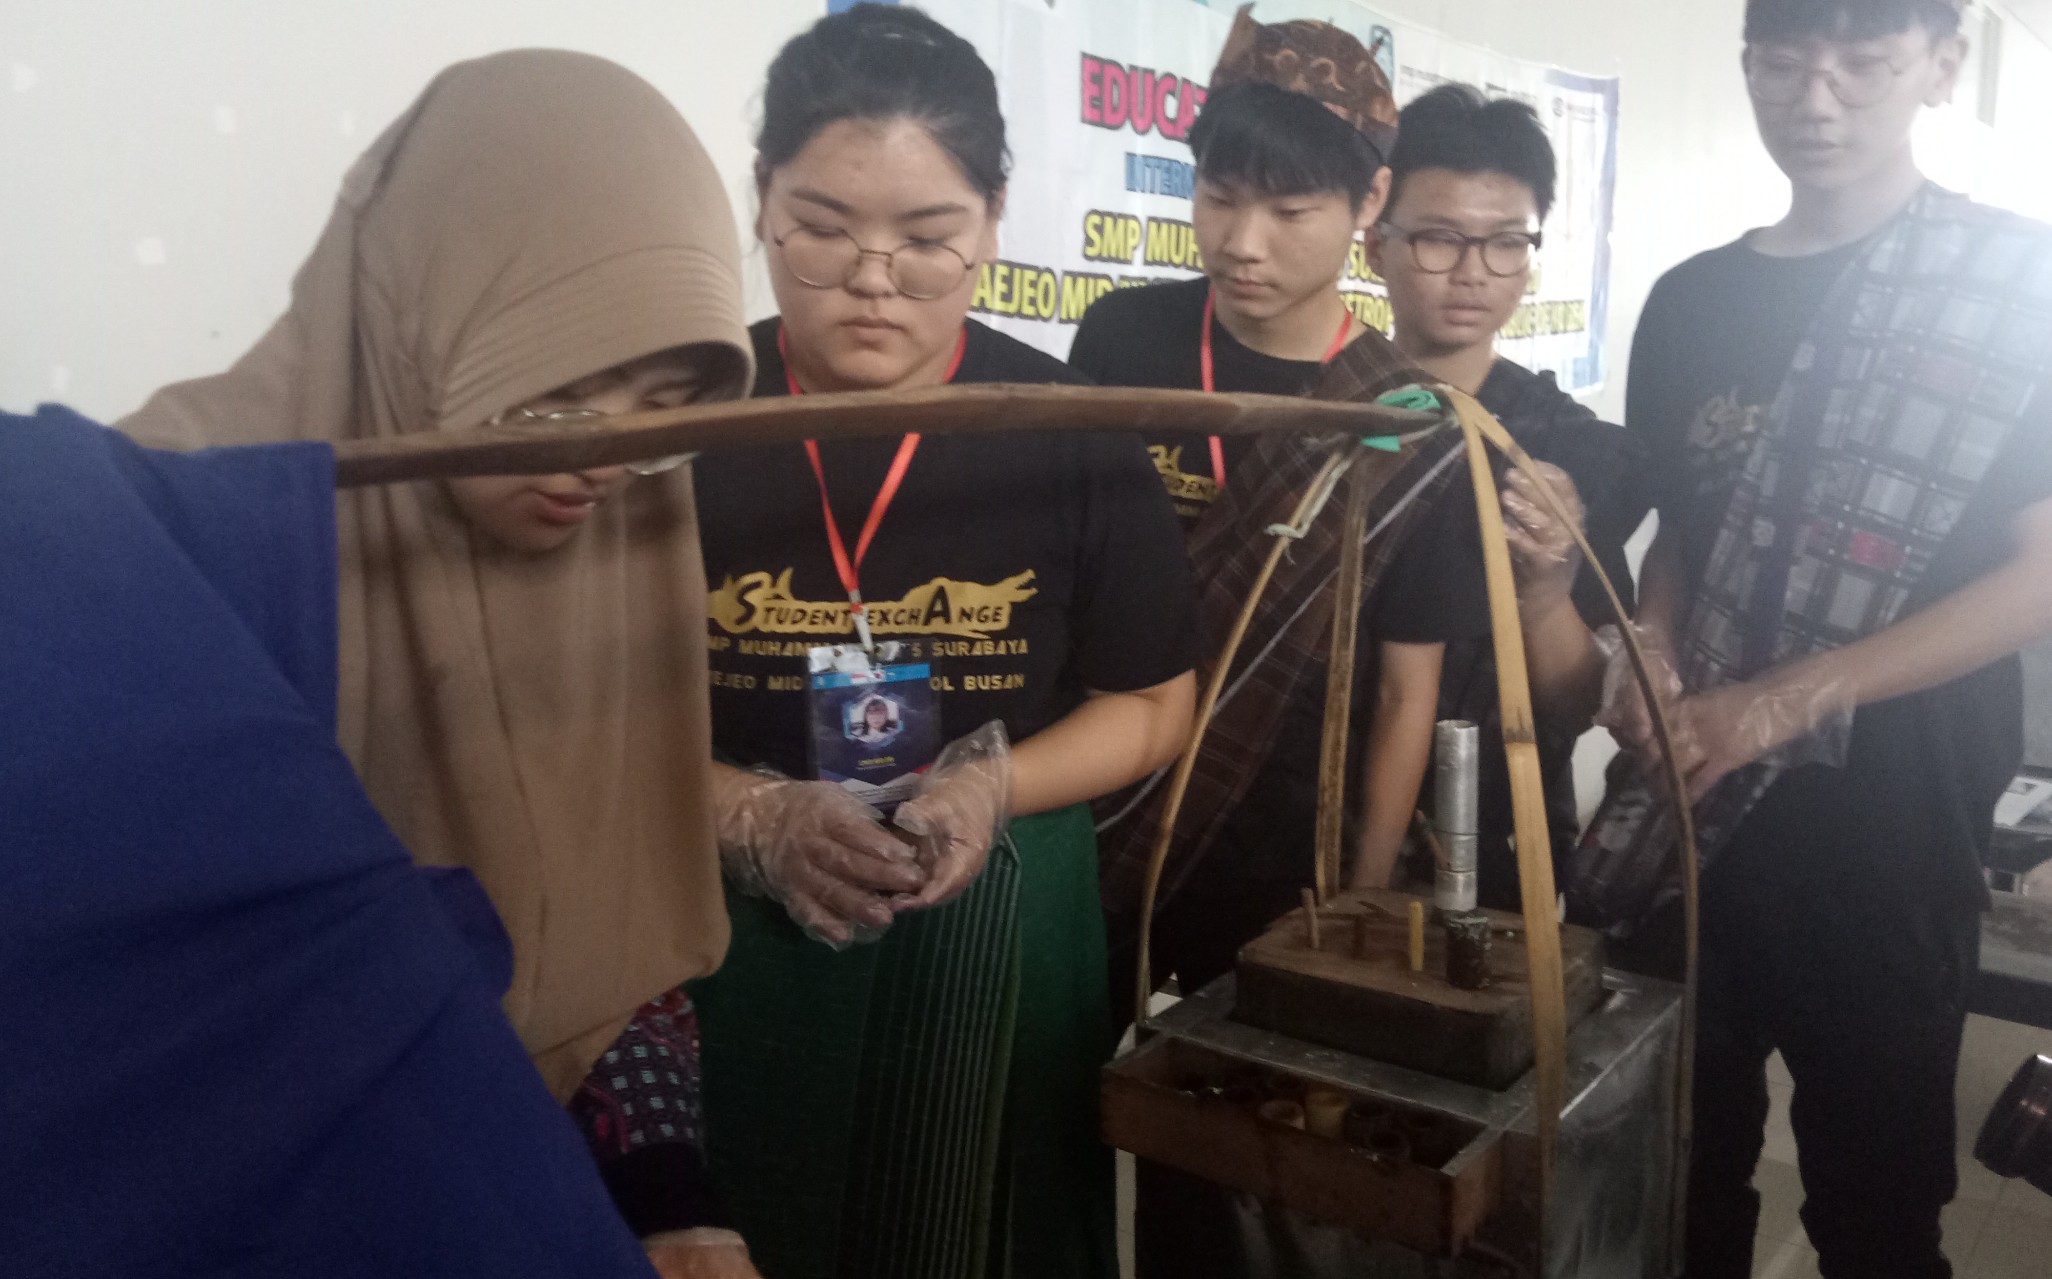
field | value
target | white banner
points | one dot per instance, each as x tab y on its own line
1099	96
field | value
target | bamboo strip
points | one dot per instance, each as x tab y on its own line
1179	784
1339	688
1686	854
1528	812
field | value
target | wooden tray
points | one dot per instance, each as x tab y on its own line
1374	1006
1185	1106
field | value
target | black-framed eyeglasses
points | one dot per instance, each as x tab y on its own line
1436	250
828	257
526	419
1781	77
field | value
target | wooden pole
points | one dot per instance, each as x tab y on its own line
940	410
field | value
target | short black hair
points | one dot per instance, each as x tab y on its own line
1281	143
1783	21
1455	127
886	62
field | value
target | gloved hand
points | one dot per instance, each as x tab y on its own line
1624	711
958	811
700	1254
1543	550
1781	719
818	850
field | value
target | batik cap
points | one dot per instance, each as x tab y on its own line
1318	60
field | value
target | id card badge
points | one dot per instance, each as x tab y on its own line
875	721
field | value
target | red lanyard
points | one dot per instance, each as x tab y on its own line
1218	467
850	567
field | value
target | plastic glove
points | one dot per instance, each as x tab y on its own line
816	849
703	1253
1543	550
958	811
1624	711
1776	720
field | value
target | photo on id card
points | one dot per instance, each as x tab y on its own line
875	721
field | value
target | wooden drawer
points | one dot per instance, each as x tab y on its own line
1190	1108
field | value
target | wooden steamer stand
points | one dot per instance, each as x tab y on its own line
1536	1126
1383	1118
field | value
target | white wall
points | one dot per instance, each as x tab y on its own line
167	164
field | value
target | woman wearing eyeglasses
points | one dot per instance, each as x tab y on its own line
917	1095
522	678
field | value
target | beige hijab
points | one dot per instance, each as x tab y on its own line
536	217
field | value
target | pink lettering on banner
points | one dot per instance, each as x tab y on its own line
1116	96
1093	90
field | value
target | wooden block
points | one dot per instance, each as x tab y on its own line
1366	1000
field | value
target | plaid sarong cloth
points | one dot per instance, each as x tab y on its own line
1292	627
1921	361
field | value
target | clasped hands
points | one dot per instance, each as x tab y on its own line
842	874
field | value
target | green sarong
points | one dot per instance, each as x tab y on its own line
924	1107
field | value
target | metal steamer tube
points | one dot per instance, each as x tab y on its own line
1456	783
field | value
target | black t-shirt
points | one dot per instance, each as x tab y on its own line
1902	826
1024	567
1149	336
1433	592
1713	347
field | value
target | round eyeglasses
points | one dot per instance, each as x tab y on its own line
1781	77
1436	251
525	419
828	257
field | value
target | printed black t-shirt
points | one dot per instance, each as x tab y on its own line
1432	592
1025	567
1902	826
1712	349
1149	336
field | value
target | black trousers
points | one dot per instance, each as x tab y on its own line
1862	988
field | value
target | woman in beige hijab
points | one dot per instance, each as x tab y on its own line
523	680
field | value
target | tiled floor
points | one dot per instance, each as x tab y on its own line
1995	1230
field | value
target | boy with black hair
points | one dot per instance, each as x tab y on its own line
1291	155
1848	414
1472	180
1285	182
1283	188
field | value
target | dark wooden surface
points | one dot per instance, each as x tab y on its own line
1375	1007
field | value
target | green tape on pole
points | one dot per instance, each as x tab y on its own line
1414	397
